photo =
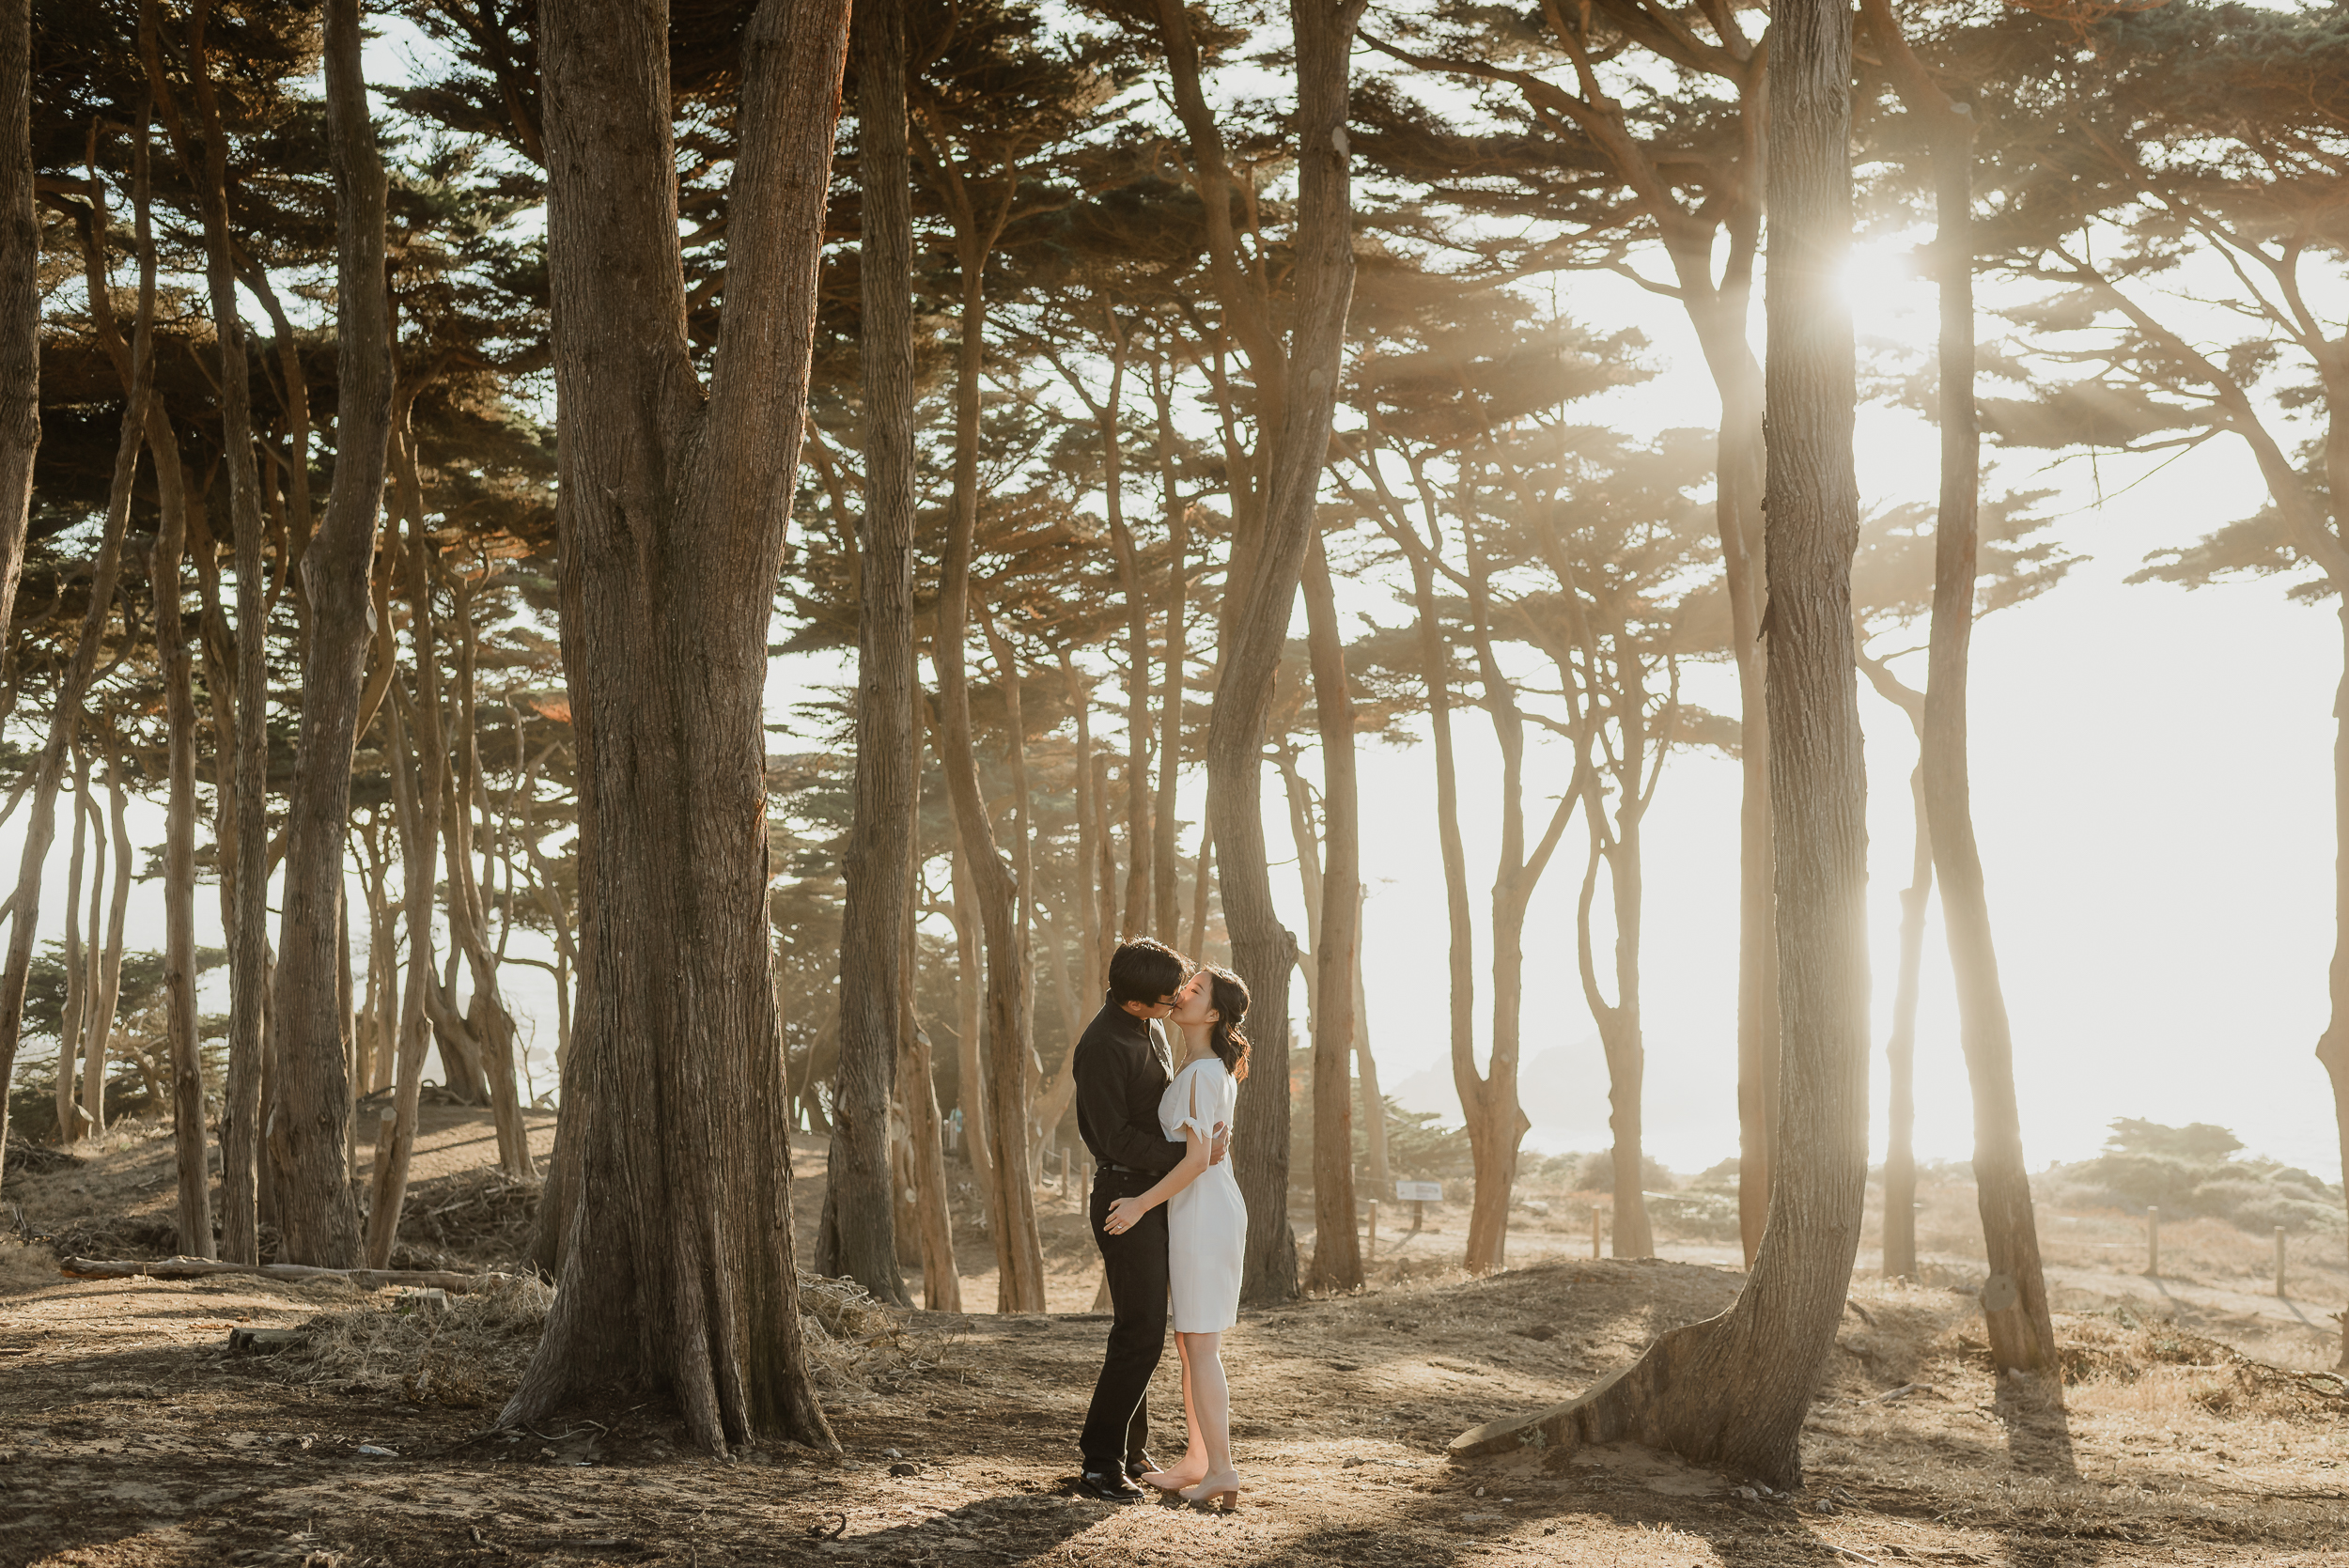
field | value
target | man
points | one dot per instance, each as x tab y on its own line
1121	1071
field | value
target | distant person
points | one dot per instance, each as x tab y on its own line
1122	1075
1207	1227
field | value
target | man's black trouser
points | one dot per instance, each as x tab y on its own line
1119	1425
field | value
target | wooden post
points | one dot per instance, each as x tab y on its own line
2153	1241
2279	1262
1595	1229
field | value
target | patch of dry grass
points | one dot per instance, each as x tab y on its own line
469	1352
26	1265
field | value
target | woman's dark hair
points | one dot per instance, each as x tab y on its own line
1143	970
1228	995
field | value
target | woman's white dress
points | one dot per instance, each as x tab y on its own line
1206	1222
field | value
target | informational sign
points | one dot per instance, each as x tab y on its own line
1419	1192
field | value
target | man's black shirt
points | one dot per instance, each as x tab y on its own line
1120	1079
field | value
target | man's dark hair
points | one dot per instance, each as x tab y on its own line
1145	971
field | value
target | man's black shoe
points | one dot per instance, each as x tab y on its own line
1140	1466
1107	1486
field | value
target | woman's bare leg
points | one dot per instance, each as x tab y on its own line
1211	1399
1193	1464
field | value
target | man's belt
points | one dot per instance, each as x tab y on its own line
1122	1169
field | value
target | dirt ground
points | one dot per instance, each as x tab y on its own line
130	1434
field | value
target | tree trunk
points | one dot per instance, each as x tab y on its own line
415	756
1263	951
1093	935
678	1278
1732	1391
1337	1253
2021	1331
309	1125
2332	1049
1374	1099
177	669
1166	868
1900	1056
72	689
108	991
76	972
19	298
917	1087
248	927
858	1240
969	1068
994	887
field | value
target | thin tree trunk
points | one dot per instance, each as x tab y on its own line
1733	1391
109	988
1337	1252
76	972
1166	871
1374	1099
678	1277
419	812
19	298
1900	1055
1200	885
857	1238
1093	935
970	1062
309	1122
195	1211
73	686
2014	1301
917	1086
995	886
247	928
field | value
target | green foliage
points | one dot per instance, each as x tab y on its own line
2193	1171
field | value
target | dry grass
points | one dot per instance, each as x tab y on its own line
468	1351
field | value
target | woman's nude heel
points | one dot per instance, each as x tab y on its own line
1228	1495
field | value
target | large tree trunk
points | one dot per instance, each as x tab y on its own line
678	1277
858	1237
970	1063
309	1124
1732	1391
1337	1252
19	298
1304	392
2014	1298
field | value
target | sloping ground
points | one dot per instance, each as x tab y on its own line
129	1436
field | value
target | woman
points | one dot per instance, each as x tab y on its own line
1207	1225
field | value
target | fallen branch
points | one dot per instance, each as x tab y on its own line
197	1268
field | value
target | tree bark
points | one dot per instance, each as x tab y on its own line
1337	1252
2022	1332
309	1122
678	1278
108	991
248	927
73	688
1166	865
1732	1391
76	972
195	1211
1373	1098
1301	384
1900	1056
995	886
19	298
858	1238
970	1062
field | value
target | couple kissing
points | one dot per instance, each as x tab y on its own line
1166	1213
